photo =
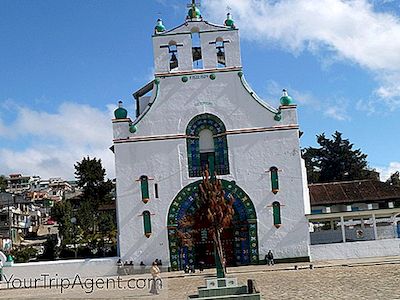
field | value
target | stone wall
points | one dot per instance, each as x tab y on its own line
96	267
388	247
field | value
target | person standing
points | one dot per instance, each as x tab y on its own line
155	273
270	258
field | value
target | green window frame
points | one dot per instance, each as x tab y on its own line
144	188
276	211
146	223
274	180
219	162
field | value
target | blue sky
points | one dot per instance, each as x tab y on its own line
65	64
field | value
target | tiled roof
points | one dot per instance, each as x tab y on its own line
352	191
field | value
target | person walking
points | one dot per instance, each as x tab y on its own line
155	273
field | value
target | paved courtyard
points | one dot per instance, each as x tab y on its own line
370	280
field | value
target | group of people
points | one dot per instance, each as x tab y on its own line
130	263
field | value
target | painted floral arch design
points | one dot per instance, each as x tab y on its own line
245	213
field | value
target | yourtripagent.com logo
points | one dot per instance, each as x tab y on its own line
88	285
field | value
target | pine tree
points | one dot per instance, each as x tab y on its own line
335	160
394	179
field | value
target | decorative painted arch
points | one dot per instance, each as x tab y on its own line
217	127
245	214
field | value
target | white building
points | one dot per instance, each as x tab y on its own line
199	110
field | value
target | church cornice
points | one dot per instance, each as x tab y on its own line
183	28
184	136
204	71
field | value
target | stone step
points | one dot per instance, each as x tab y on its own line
222	291
255	296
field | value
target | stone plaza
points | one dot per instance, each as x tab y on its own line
376	278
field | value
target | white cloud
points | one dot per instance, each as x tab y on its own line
385	172
349	30
49	144
334	108
337	110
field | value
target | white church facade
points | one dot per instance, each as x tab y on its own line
200	111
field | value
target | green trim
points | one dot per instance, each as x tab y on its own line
146	223
276	208
254	95
278	116
292	259
274	179
132	128
144	188
217	127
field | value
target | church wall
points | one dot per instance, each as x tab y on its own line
250	155
259	137
178	102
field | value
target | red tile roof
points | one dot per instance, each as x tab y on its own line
352	192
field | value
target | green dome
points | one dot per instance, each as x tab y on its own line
286	99
120	112
197	13
160	26
229	22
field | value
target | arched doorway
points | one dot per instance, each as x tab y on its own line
240	241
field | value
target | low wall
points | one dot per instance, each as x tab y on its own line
387	247
95	267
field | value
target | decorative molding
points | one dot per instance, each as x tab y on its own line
184	136
201	71
121	120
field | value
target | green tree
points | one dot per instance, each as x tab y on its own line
62	212
23	254
3	183
96	191
93	228
336	160
394	179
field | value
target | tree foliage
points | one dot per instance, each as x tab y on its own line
93	227
394	179
3	183
336	160
62	213
24	254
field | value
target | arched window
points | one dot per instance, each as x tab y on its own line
144	187
274	179
276	210
173	56
146	223
196	49
219	45
207	145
